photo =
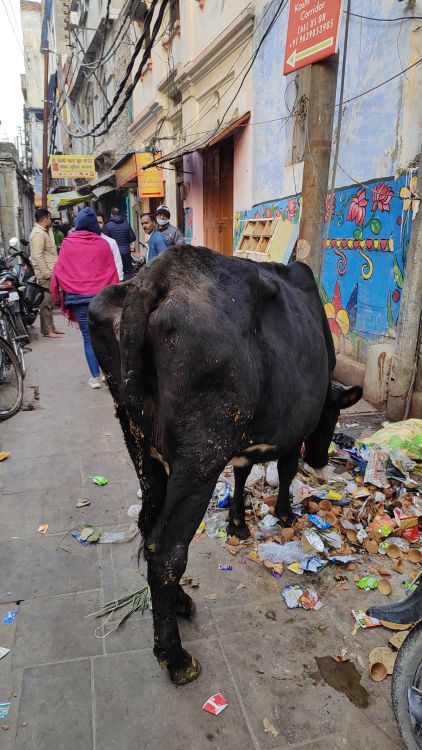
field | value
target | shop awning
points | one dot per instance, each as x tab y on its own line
102	190
66	200
125	171
202	143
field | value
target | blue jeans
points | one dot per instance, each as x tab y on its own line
81	315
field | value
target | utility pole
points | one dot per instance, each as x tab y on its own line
316	163
44	199
405	359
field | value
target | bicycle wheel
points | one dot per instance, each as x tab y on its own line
9	331
11	381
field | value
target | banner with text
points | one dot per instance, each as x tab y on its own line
150	181
71	166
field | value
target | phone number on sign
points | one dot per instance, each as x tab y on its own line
312	33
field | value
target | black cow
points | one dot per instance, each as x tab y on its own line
211	359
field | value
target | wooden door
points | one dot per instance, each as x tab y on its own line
218	197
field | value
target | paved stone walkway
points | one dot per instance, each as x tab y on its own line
69	689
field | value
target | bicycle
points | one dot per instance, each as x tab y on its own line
9	331
11	381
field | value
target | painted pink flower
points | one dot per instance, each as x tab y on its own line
327	206
278	212
381	197
257	215
268	213
291	208
357	207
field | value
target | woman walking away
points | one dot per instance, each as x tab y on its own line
85	266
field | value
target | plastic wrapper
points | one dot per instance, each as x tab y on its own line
286	553
291	596
405	436
216	526
119	536
364	620
268	522
271	474
367	583
319	522
376	468
221	495
299	491
314	540
313	565
310	599
332	538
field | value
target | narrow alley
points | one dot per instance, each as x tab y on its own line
68	688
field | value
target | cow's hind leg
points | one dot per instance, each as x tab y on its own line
287	469
166	551
237	525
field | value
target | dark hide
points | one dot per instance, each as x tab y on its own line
209	359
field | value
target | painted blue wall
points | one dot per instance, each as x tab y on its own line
372	124
369	231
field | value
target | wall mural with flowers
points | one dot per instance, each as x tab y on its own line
365	256
286	208
365	260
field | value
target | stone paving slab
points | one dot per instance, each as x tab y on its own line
71	435
40	473
56	629
34	567
55	708
137	705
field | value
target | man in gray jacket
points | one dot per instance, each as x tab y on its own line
43	258
171	234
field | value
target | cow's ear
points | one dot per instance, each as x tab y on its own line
350	396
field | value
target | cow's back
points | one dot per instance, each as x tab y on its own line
229	339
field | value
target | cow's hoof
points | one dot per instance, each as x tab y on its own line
185	606
188	673
287	520
242	531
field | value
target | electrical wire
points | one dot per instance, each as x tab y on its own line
378	86
13	29
199	115
383	20
248	66
107	18
146	55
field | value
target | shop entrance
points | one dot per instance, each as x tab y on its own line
218	196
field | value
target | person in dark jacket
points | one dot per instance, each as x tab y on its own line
171	234
121	231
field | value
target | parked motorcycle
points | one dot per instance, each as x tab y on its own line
406	686
31	294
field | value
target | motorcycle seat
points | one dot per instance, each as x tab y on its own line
3	296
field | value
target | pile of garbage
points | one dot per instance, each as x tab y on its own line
366	501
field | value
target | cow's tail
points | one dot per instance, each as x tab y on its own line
137	378
136	362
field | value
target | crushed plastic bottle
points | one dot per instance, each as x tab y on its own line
215	526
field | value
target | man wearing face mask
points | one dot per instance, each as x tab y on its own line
171	234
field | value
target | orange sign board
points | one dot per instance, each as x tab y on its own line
127	172
150	181
74	166
312	32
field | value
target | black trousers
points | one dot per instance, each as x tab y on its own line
127	266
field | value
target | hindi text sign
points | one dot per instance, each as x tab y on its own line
150	181
72	166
